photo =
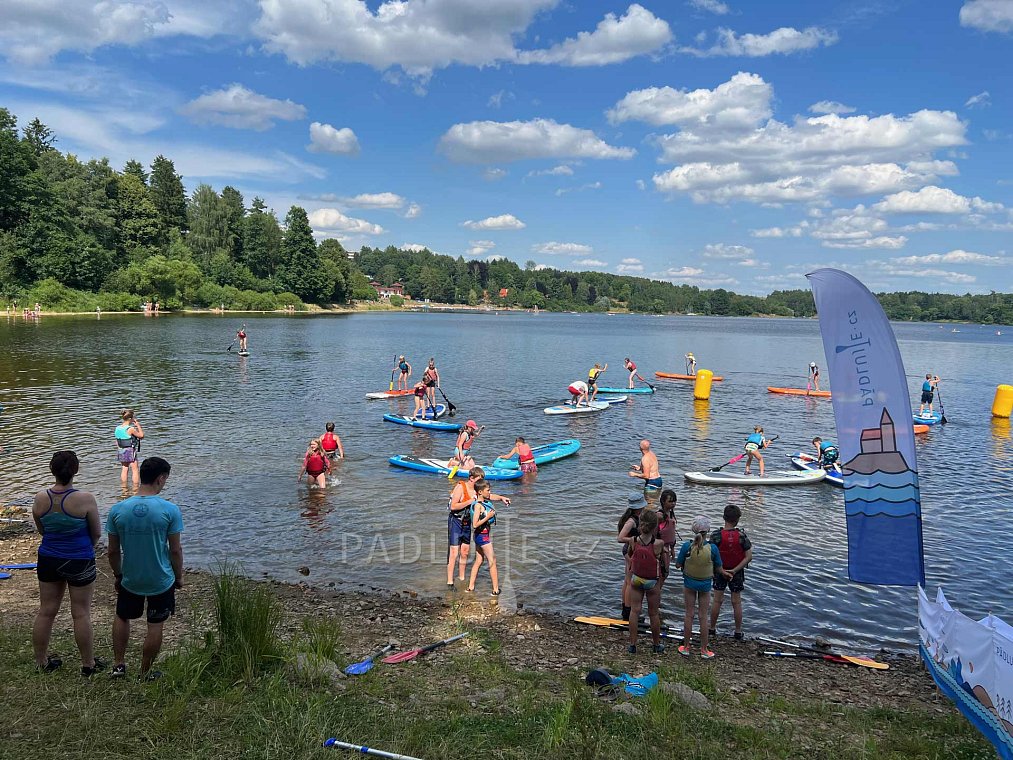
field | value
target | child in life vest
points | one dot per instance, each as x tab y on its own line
482	520
698	559
736	552
331	443
643	573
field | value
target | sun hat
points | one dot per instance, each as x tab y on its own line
637	501
471	424
701	524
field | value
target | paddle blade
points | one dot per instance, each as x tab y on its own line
393	659
453	472
359	668
865	662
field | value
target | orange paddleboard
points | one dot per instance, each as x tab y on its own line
800	392
673	376
921	428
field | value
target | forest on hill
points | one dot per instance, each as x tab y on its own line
78	235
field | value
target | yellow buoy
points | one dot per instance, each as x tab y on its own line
702	387
1002	404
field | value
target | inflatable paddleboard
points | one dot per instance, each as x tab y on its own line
596	406
921	429
833	477
550	452
388	394
674	376
404	419
439	467
799	392
772	478
640	389
244	353
927	418
611	400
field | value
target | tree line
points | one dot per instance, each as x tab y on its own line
79	235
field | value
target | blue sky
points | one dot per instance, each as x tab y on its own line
721	143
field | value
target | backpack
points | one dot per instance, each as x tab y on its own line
699	565
729	543
644	563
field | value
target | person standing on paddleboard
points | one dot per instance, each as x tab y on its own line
578	393
814	375
128	442
628	528
241	337
406	373
643	573
315	465
331	443
928	392
431	379
699	560
754	444
592	380
631	367
483	518
465	439
690	364
648	468
461	506
525	457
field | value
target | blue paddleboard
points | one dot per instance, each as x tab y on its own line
927	418
833	477
640	389
439	467
404	419
550	452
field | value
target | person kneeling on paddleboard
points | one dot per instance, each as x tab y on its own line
331	444
315	465
754	444
578	391
827	454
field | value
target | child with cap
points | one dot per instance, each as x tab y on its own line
629	527
690	364
699	560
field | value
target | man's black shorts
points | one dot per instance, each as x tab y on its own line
735	584
927	397
130	606
76	572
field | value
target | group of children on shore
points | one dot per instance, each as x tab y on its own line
710	561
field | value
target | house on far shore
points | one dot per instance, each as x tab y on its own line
386	291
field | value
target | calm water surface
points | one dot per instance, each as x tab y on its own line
235	430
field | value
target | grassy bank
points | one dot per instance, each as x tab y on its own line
230	689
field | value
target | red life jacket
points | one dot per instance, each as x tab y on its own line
644	562
315	464
731	549
328	441
524	453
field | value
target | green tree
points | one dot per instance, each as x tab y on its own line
235	213
137	218
16	164
39	137
136	168
168	195
302	271
262	235
208	219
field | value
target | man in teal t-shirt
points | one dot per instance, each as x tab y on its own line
146	557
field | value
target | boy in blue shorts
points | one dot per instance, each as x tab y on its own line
736	552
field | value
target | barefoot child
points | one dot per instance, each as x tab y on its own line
644	580
315	465
698	559
754	444
736	552
483	518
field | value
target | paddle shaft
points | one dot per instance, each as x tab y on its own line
740	456
840	659
411	654
392	373
942	414
367	750
450	407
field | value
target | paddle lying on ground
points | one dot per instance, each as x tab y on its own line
358	668
604	622
740	456
411	654
863	662
450	406
367	750
807	647
23	566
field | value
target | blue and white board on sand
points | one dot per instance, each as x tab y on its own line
833	477
927	418
439	467
595	406
639	389
550	452
430	424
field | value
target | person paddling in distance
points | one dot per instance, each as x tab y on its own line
814	375
754	444
431	379
629	527
241	337
827	454
698	559
461	506
482	520
928	392
631	367
736	552
648	468
419	394
644	579
578	393
690	364
465	439
315	466
406	373
525	456
592	379
331	443
128	441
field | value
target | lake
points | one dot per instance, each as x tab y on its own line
235	430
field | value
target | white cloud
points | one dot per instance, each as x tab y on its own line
891	269
580	188
981	100
736	105
641	185
480	247
987	15
492	141
629	268
413	211
783	41
725	251
695	276
830	106
780	280
883	241
563	170
501	222
957	256
494	257
711	6
933	200
326	139
416	247
683	272
375	200
332	220
497	98
241	108
631	261
591	263
494	174
614	40
565	249
777	232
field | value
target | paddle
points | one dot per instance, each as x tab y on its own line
231	345
358	668
740	456
411	654
450	406
942	414
842	659
641	379
392	374
667	631
367	750
808	648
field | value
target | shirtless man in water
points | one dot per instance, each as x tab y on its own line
648	469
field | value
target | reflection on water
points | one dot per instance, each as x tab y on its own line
235	430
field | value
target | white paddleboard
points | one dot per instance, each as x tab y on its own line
597	406
771	478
